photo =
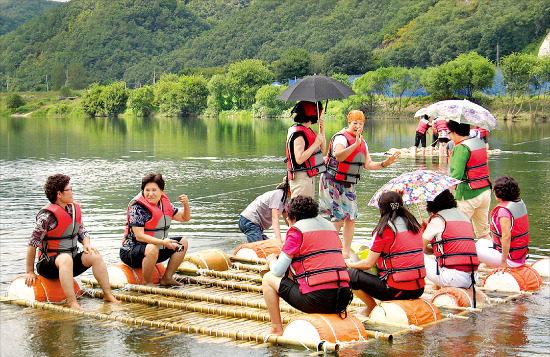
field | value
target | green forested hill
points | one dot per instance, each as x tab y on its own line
106	40
14	13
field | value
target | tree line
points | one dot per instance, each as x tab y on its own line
86	41
247	85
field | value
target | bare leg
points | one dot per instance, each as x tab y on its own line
64	262
367	299
270	287
349	231
173	264
148	263
100	272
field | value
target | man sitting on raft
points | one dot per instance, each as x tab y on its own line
58	228
146	241
313	252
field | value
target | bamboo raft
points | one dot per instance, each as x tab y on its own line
229	304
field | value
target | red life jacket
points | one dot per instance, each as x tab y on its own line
63	238
477	170
457	247
319	262
350	169
519	246
440	124
403	265
481	132
422	126
161	217
315	164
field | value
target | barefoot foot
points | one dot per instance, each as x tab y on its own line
170	282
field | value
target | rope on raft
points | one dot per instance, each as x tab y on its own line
180	327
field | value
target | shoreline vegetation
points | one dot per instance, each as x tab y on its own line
247	88
52	103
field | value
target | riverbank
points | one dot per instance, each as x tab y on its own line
52	103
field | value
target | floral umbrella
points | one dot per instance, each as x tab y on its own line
463	111
417	186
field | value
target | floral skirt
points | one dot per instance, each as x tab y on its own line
337	200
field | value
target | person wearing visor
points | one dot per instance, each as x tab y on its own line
305	149
146	241
348	155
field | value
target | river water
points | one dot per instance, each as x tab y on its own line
222	165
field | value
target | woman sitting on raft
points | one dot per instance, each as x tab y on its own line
509	228
313	252
146	240
397	252
452	240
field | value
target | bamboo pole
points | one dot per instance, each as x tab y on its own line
192	295
190	306
259	261
219	274
221	284
181	327
248	267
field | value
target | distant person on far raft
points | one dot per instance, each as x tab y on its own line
312	251
449	236
421	129
440	124
509	228
483	134
264	212
468	163
58	228
348	154
146	241
305	149
397	253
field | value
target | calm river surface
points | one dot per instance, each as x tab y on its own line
222	165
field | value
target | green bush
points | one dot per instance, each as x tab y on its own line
14	101
65	91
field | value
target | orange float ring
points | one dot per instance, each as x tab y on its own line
44	290
122	273
542	266
406	312
523	278
325	327
260	249
212	259
460	297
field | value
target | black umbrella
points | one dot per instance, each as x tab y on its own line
316	88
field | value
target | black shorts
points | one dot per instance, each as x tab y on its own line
326	301
443	140
133	255
378	289
47	268
420	138
484	138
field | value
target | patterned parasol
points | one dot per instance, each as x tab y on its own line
462	111
417	186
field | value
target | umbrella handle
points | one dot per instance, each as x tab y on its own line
420	213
